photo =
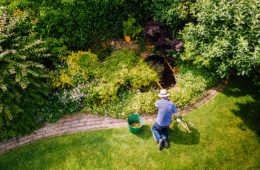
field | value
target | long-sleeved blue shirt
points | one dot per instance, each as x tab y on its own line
165	110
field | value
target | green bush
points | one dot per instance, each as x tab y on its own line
80	67
105	85
225	37
24	80
191	83
66	101
166	12
173	13
81	24
123	68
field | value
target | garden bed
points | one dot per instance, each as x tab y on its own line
123	83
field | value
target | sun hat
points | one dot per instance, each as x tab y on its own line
163	93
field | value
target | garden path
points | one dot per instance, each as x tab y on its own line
87	122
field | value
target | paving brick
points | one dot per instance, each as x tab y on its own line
84	120
66	123
77	125
36	137
74	121
94	123
65	127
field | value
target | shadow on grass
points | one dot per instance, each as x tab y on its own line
145	133
248	105
182	137
250	114
176	135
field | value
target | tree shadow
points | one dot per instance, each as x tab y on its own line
145	133
182	137
250	114
248	111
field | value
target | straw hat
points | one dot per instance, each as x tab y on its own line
163	93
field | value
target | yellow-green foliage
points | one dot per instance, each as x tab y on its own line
114	86
80	67
137	80
191	83
142	102
122	68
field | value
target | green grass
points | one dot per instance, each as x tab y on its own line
225	136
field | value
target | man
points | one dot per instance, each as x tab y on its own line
166	109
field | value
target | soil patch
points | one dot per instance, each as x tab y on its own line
164	68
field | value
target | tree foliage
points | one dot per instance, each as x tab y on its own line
23	77
81	24
225	37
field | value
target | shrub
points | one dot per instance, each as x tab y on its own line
65	101
24	80
173	13
80	68
104	83
226	40
166	12
191	83
122	68
159	35
81	24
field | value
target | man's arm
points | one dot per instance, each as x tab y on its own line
175	112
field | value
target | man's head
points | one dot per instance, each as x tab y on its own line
163	93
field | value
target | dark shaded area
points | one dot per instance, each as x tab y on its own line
83	24
145	133
167	78
162	38
182	137
249	112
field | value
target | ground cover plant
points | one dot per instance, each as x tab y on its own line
225	136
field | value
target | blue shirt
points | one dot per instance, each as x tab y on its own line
165	110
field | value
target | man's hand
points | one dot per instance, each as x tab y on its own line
176	115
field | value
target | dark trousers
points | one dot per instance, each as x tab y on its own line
160	132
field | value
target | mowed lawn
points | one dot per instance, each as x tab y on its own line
225	136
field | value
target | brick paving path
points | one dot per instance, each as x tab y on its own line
86	122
